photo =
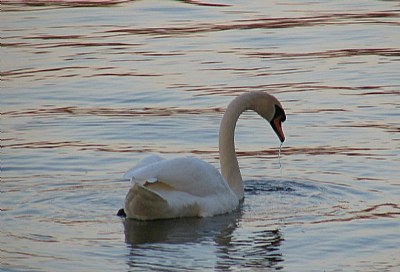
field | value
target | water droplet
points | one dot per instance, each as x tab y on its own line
279	158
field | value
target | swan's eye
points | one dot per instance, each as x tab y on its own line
279	113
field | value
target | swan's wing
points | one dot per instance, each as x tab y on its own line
146	161
186	174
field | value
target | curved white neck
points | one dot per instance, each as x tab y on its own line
227	156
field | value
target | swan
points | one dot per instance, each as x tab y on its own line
189	187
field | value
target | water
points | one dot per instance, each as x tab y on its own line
86	92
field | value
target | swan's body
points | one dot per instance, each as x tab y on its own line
186	186
179	187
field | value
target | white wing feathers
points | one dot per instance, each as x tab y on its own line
185	174
146	161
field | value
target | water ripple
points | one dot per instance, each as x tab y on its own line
121	112
264	23
72	3
387	52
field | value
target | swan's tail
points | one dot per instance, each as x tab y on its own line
145	204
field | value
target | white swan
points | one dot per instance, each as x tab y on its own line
186	186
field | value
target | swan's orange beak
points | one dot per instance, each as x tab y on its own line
276	124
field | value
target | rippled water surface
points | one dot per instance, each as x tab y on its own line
89	89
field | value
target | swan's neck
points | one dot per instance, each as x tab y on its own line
227	156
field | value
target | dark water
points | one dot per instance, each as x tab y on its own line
86	91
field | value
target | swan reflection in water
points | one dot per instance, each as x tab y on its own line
216	243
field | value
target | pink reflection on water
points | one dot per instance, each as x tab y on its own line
63	2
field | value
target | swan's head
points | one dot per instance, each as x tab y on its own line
271	109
